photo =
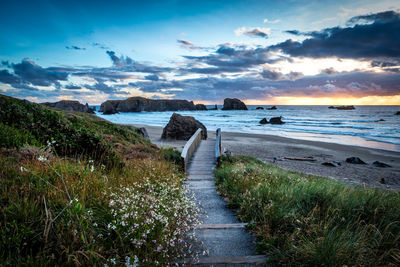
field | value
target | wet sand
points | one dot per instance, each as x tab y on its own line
273	149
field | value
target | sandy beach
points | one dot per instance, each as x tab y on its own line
273	149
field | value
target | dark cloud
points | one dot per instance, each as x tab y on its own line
257	32
72	87
7	77
152	77
329	71
226	50
29	72
102	87
74	47
373	40
271	75
382	17
253	32
126	64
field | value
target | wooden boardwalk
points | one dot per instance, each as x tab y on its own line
223	236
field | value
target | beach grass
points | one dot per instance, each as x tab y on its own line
78	190
307	220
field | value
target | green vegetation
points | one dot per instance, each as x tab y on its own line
308	220
78	190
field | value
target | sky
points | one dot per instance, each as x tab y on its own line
293	52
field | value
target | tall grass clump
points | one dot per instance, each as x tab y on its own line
74	208
307	220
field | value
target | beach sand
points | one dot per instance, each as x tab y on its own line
268	147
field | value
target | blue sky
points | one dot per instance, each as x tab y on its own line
201	50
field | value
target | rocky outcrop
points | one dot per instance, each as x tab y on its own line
182	128
355	160
342	107
272	108
276	120
69	105
259	108
109	107
397	113
273	120
233	104
381	164
138	104
200	107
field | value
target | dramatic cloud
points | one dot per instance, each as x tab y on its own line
72	87
254	32
27	73
376	39
152	77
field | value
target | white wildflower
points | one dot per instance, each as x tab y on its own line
22	169
41	158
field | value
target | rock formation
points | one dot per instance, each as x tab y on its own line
200	107
355	160
263	121
182	128
342	107
272	108
276	120
69	105
233	104
259	108
137	104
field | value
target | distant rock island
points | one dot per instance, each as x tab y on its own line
342	107
234	104
138	104
69	105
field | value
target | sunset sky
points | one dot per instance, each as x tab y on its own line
263	52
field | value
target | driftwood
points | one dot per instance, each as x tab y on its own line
301	159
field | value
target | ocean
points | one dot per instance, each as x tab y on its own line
361	127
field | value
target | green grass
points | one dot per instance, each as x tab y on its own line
78	190
307	220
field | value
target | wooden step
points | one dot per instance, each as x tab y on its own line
221	226
255	259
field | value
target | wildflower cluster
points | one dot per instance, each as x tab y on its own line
155	230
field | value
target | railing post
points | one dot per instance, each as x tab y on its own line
218	146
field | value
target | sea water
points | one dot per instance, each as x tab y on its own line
361	126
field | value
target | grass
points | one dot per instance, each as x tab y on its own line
78	190
307	220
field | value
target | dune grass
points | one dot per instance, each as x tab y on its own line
78	190
307	220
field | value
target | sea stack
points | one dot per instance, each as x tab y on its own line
233	104
138	104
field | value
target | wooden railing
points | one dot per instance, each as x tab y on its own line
190	147
218	146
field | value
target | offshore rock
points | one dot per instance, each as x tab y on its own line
138	104
276	120
233	104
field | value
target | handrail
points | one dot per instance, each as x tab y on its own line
218	146
190	147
